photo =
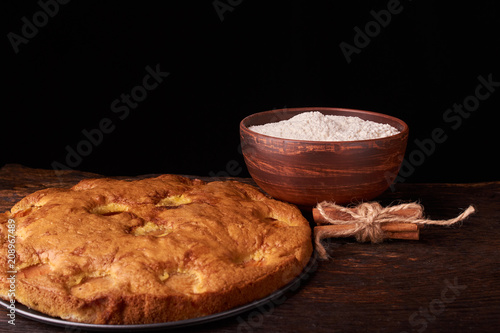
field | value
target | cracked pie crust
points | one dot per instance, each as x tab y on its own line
155	250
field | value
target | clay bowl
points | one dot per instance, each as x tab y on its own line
307	172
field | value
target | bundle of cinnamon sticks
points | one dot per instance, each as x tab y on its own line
393	230
371	222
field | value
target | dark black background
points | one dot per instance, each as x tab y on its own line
262	55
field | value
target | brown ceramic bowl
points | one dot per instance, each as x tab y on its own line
307	172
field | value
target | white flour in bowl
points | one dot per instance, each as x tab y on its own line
314	126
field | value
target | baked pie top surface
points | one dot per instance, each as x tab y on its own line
111	251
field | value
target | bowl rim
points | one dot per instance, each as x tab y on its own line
402	133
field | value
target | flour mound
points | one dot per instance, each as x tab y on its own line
315	126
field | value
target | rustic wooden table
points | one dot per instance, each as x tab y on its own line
448	281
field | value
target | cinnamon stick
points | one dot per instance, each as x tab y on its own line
397	232
336	214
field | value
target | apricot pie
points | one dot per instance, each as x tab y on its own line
154	250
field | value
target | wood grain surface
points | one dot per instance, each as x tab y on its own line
448	281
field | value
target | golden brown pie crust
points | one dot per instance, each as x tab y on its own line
154	250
